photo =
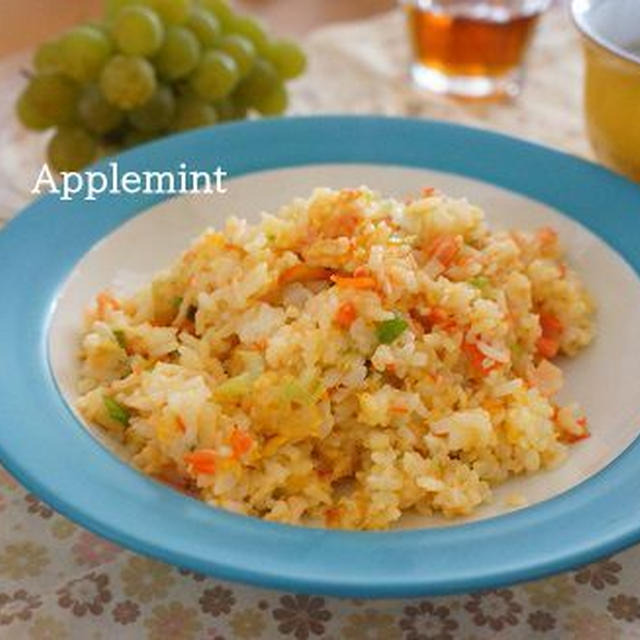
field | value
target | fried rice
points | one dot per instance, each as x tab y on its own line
345	361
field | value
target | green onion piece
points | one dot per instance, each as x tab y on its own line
120	338
235	387
388	330
316	389
293	391
480	282
127	372
116	411
177	301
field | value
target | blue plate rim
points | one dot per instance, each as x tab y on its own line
363	564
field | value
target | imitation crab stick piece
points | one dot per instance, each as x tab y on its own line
346	282
478	359
346	315
436	317
547	378
343	225
202	461
443	249
240	442
106	300
571	438
304	273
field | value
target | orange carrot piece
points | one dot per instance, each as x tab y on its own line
240	442
304	273
345	282
332	516
346	315
181	425
347	194
396	408
547	235
438	315
550	325
547	347
361	271
202	461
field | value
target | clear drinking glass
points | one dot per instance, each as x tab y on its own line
471	48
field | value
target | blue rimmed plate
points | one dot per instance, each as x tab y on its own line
54	256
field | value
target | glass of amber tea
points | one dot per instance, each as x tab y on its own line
471	48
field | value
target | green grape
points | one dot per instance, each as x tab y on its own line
228	110
172	11
128	81
138	31
102	27
47	57
222	10
157	113
205	26
193	112
30	116
215	76
252	30
48	100
257	84
71	149
241	50
179	54
287	57
83	52
96	114
113	7
274	103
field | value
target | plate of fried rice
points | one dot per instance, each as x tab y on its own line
395	358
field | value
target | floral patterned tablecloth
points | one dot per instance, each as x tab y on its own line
59	581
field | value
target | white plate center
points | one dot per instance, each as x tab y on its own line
603	378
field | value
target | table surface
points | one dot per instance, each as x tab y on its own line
60	581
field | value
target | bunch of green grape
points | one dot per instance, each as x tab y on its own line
153	67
